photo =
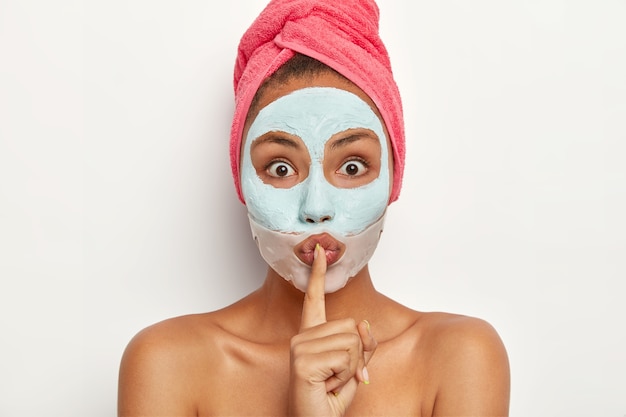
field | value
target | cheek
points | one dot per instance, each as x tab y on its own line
274	208
358	208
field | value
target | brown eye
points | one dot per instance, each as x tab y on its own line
353	168
280	169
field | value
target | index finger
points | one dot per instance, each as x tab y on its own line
314	307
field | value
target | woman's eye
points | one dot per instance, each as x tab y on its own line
280	169
353	168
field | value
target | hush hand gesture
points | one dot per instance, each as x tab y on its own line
328	359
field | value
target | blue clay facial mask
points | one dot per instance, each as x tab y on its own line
282	217
315	115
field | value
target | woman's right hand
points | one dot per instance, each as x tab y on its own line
328	359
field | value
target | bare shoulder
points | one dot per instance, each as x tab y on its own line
470	363
172	339
450	332
160	363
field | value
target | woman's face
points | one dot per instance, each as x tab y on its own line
316	168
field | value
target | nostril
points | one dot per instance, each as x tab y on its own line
321	219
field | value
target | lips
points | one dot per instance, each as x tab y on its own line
333	248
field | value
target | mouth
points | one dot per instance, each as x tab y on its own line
334	249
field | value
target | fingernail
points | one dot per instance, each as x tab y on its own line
316	251
336	393
367	323
366	376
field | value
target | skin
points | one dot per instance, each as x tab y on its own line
281	352
313	162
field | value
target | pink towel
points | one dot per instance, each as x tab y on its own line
342	34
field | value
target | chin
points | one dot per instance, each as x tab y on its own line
277	249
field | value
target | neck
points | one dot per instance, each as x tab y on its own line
283	302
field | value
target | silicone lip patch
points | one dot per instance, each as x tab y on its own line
333	248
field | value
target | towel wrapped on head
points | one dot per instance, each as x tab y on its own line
342	34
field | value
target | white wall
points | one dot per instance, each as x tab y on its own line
117	208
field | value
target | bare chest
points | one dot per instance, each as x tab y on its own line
254	382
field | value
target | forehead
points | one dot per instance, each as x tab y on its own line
275	91
316	114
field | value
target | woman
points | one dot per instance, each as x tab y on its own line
317	151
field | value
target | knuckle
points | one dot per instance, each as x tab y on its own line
354	339
350	322
346	360
297	351
300	367
297	346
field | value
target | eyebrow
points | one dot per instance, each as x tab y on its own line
275	138
351	139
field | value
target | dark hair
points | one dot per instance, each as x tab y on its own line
299	66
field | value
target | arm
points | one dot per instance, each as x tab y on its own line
474	369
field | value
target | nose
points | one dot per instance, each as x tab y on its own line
316	206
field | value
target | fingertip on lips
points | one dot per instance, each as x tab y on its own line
332	256
305	250
317	251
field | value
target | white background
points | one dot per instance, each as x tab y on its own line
117	208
